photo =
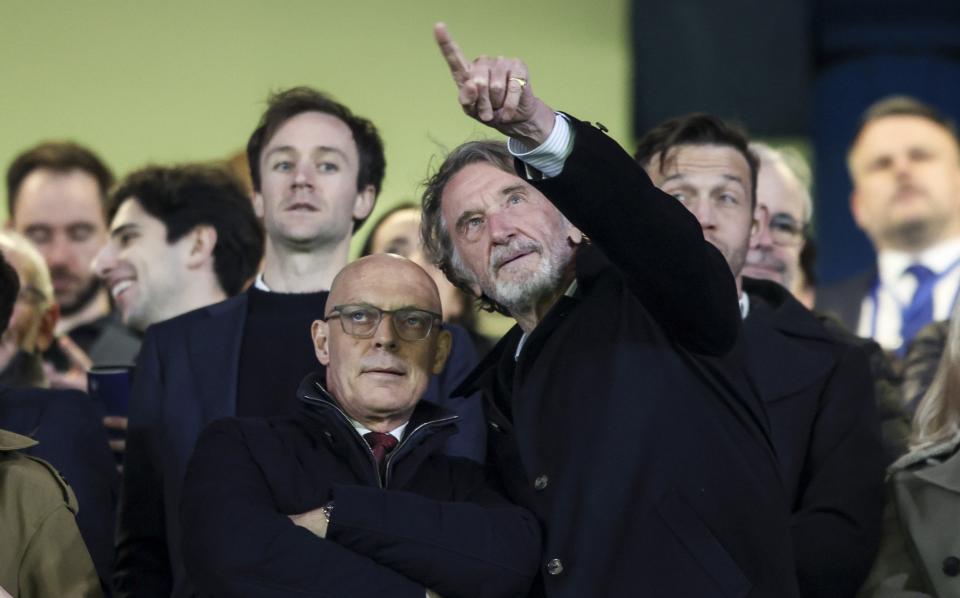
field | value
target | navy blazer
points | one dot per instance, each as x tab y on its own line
819	394
186	377
68	425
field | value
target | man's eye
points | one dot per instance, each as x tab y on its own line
38	236
283	166
415	321
327	167
126	238
679	195
728	198
360	316
515	198
80	233
474	223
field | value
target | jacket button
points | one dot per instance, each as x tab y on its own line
541	482
951	566
554	567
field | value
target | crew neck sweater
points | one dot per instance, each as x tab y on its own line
276	352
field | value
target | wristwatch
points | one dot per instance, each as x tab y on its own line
327	510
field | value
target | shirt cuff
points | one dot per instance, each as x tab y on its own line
549	157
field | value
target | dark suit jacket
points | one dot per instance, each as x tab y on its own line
844	299
186	377
649	476
819	395
433	522
68	425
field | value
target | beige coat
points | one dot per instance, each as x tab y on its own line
41	552
920	550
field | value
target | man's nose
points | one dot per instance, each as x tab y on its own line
385	337
105	260
501	228
58	251
703	210
304	173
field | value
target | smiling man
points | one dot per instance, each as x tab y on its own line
180	238
905	166
351	497
57	198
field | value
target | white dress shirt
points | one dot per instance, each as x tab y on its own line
881	308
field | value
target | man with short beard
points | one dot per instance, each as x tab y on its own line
905	166
57	199
648	474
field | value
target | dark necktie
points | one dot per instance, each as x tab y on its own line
919	313
381	444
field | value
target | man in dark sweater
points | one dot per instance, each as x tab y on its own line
351	496
316	170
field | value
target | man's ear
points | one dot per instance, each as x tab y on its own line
575	236
364	202
444	344
48	323
319	332
200	245
258	204
855	207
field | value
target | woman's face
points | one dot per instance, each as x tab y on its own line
399	233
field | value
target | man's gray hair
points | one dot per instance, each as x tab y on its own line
794	164
434	231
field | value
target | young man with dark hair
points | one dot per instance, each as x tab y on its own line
317	170
905	166
181	238
56	194
818	391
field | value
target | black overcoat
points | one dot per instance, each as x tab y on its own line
649	476
819	395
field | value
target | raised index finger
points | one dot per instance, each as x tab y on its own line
459	67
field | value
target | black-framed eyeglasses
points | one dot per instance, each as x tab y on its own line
361	320
785	230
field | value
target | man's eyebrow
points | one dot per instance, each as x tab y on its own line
123	228
512	189
321	149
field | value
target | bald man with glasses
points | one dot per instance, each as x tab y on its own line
352	496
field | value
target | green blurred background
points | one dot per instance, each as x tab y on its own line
176	81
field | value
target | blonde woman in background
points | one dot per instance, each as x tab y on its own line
920	550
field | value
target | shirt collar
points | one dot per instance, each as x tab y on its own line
362	431
260	285
891	264
744	305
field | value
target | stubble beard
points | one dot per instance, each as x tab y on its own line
523	293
